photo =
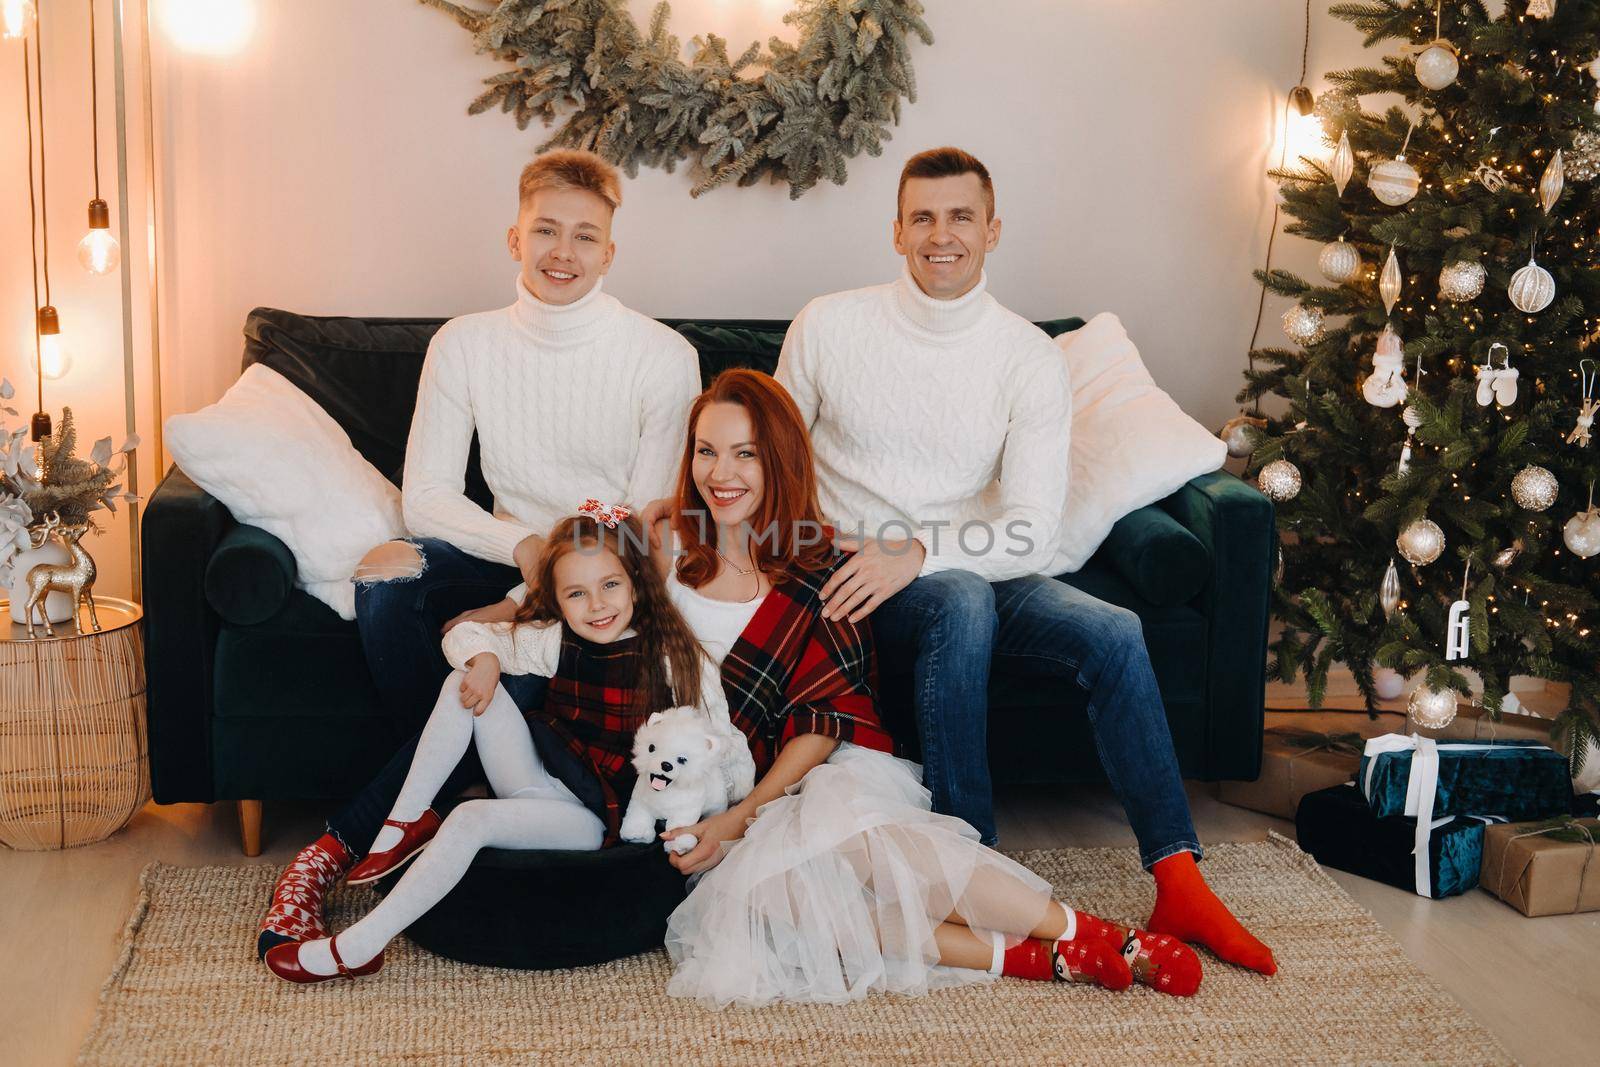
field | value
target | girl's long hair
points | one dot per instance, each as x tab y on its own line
665	640
787	528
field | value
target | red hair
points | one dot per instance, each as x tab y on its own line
787	526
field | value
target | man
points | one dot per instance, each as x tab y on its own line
940	422
571	396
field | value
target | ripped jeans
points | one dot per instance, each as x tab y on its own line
400	619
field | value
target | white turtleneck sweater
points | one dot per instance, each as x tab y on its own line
928	412
584	400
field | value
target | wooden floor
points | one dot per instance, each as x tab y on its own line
1531	981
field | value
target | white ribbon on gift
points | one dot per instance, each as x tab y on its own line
1421	788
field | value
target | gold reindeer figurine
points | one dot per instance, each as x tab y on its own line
76	578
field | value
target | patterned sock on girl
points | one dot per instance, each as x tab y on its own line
300	895
1083	960
1159	961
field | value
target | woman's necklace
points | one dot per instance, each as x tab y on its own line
741	571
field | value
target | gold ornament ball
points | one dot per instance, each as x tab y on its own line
1532	288
1437	67
1339	262
1304	325
1534	488
1280	480
1432	709
1582	533
1421	543
1462	281
1394	181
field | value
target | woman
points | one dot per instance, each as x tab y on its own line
833	877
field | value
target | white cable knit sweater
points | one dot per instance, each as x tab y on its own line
927	412
586	400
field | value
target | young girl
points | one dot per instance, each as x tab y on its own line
598	622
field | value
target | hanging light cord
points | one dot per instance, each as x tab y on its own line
1272	234
44	183
33	221
94	100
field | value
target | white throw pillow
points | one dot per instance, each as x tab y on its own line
1131	443
278	461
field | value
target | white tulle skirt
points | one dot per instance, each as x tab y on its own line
836	889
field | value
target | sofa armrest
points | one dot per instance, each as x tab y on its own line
250	576
183	524
1236	524
1155	554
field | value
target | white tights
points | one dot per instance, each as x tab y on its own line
531	810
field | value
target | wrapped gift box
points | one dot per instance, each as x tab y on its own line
1339	829
1548	868
1294	762
1517	779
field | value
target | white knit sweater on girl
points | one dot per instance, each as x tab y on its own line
585	400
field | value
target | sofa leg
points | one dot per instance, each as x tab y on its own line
250	827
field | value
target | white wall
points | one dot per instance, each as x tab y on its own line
330	167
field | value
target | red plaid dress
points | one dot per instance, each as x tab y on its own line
588	708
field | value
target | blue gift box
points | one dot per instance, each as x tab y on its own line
1339	830
1519	779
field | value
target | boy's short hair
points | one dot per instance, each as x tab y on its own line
569	168
945	162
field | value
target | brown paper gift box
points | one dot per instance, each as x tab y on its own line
1295	762
1539	874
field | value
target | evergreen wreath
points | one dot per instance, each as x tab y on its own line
789	112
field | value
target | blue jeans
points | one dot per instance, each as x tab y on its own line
951	626
401	621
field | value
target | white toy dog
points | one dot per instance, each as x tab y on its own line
690	766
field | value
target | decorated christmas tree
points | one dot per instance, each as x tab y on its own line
1430	452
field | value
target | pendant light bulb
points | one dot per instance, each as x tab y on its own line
16	18
54	359
99	252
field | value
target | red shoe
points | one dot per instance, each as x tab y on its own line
284	961
414	837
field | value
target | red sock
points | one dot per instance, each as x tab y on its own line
1187	909
1162	962
1070	961
296	912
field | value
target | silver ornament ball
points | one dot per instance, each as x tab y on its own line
1240	434
1339	262
1421	543
1462	281
1304	325
1394	181
1280	480
1534	488
1532	288
1388	682
1437	67
1432	709
1582	533
1583	162
1411	417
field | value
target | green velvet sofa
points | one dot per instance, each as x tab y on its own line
257	692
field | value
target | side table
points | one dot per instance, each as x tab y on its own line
74	765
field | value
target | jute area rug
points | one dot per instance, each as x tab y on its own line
188	989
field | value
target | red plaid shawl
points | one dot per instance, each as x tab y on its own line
791	672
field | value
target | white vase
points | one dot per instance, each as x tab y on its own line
57	604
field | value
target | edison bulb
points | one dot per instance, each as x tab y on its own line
99	252
54	358
209	27
16	18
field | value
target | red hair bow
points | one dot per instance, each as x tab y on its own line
610	514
